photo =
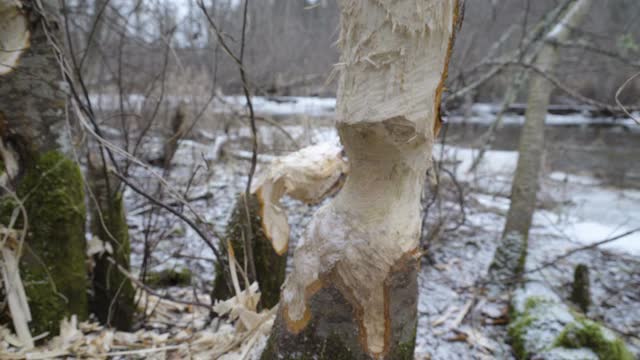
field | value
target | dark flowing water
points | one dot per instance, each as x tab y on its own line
607	151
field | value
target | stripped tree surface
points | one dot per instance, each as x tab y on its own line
352	293
37	157
308	175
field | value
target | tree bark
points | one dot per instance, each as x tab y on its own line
112	300
177	132
36	152
270	266
510	256
352	293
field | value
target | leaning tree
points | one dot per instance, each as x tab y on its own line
353	289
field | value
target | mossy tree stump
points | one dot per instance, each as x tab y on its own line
112	300
53	265
270	266
37	157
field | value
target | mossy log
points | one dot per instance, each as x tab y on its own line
270	266
53	265
112	300
542	327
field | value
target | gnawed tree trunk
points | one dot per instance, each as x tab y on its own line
112	300
308	175
353	290
510	255
36	154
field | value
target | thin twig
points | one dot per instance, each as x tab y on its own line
173	211
624	108
248	241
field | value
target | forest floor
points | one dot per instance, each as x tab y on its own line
462	226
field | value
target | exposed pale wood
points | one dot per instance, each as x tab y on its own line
353	289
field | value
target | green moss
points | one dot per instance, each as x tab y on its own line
404	351
509	259
517	332
169	277
520	323
580	291
533	302
522	260
334	348
588	334
113	293
270	267
53	266
7	206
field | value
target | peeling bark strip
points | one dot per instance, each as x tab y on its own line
352	293
309	175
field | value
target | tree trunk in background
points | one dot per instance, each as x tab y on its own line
113	294
92	60
36	150
510	255
177	132
352	293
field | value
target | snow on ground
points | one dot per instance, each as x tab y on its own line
592	213
454	322
457	322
